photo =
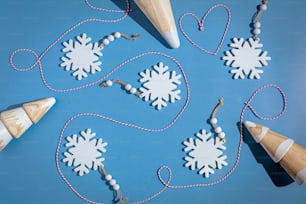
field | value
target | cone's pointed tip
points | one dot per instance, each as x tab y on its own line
249	124
51	100
172	39
37	109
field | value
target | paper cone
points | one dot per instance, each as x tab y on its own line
291	156
159	12
14	122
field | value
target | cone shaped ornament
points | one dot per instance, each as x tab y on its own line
159	13
14	122
283	150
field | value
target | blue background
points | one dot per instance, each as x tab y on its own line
28	172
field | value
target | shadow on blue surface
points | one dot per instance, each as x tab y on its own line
142	20
276	173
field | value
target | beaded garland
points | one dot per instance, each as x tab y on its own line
82	56
246	56
159	86
210	146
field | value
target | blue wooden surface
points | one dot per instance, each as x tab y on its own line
27	166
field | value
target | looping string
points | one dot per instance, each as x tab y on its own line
166	182
20	69
39	57
283	95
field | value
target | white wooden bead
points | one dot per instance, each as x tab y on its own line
128	87
213	121
218	129
112	182
257	25
221	135
117	35
116	187
105	41
111	38
108	177
263	7
256	31
133	91
109	83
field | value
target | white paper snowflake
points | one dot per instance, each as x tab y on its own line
160	86
81	56
204	153
246	57
85	152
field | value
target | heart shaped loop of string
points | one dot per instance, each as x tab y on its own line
201	27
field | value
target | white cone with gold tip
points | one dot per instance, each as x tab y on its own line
159	12
14	122
283	150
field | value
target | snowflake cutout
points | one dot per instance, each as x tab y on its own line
81	56
85	152
204	153
246	57
159	86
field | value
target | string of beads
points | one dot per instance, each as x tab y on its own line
116	35
256	23
213	121
113	183
128	87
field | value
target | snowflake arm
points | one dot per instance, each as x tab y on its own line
190	163
174	96
145	94
237	43
100	145
221	162
87	134
175	78
145	76
68	46
189	144
72	141
81	169
68	158
83	39
79	73
206	170
254	43
238	73
160	68
159	103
